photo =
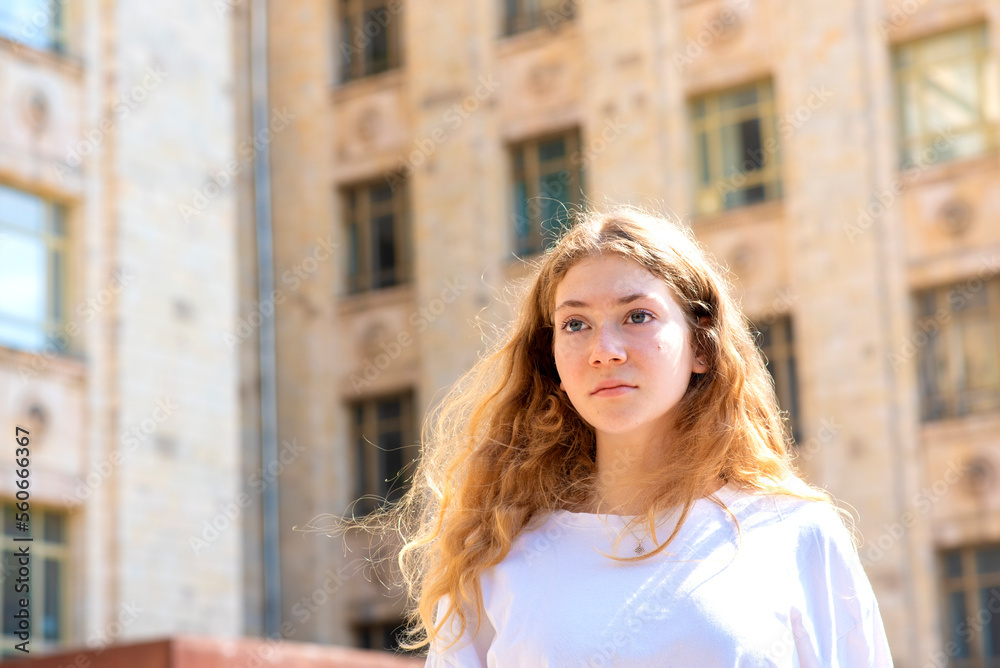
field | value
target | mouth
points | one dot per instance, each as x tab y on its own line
615	391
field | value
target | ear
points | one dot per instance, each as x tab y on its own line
699	365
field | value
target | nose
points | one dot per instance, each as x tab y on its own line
608	346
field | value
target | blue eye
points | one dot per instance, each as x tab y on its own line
566	325
633	314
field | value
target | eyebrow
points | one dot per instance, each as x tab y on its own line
627	299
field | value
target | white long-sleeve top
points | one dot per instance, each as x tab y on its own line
788	590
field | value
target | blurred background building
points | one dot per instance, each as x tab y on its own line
112	305
841	158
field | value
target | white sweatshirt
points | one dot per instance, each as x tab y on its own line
793	594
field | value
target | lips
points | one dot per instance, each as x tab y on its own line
612	388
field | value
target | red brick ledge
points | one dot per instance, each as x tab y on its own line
211	652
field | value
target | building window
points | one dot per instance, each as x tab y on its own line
948	99
737	145
49	558
521	15
775	342
377	236
384	635
370	37
957	341
547	180
32	271
36	23
385	447
972	606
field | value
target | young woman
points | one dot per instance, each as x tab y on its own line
611	484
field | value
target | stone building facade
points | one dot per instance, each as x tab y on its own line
841	158
114	304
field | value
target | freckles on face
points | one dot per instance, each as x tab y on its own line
620	344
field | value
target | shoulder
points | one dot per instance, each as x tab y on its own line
814	531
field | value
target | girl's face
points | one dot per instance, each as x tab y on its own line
621	346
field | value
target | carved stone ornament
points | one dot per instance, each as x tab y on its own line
980	474
36	109
34	417
369	123
542	78
955	216
742	259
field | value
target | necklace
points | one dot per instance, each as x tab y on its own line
639	549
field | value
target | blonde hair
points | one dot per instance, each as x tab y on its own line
505	446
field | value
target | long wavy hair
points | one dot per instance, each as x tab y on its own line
505	446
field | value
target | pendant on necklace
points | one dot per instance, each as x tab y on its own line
639	549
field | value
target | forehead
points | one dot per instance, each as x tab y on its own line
608	278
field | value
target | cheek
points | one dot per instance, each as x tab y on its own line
560	363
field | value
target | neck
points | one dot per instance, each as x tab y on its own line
620	461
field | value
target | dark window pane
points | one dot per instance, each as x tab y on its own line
520	205
956	618
551	150
988	561
51	627
752	145
346	46
56	311
381	193
55	528
10	597
991	629
389	409
391	444
377	49
737	99
742	197
555	186
510	16
384	250
353	257
58	220
365	638
953	564
706	176
518	161
393	633
765	336
8	520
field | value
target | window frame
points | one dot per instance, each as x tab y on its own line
359	217
41	550
351	16
941	358
54	29
528	14
710	198
371	467
969	583
54	237
529	173
780	361
923	140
